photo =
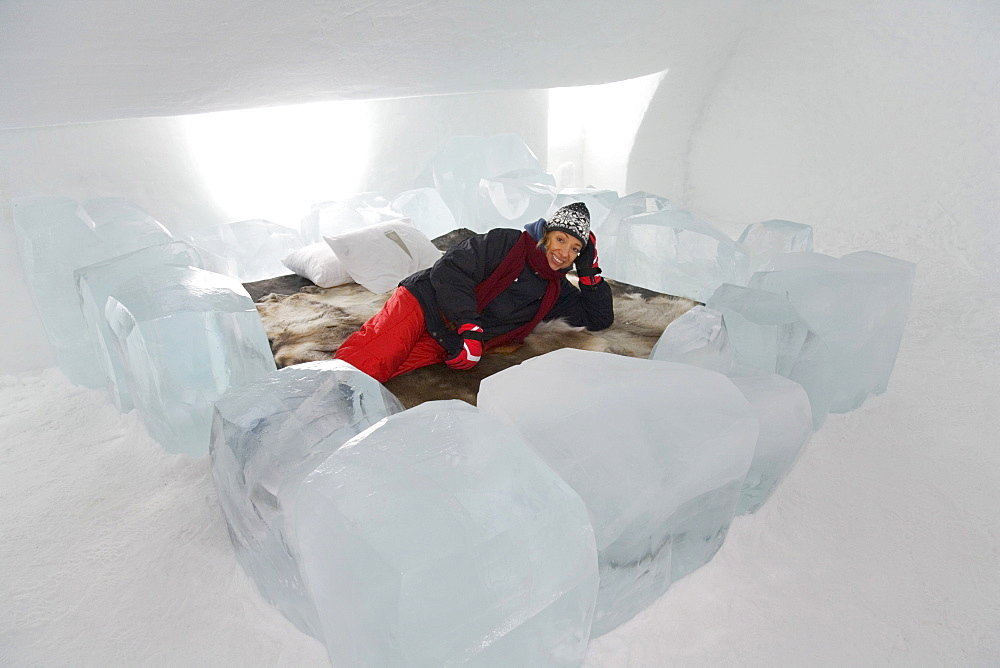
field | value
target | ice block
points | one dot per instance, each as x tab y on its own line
699	337
95	282
857	305
56	236
425	209
185	336
329	218
657	450
267	437
459	165
253	248
675	252
514	199
437	537
607	232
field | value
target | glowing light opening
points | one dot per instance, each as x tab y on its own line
592	130
275	162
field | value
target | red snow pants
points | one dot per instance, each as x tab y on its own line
393	341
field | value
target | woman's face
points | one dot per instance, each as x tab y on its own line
561	249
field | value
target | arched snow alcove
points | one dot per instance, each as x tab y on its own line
874	122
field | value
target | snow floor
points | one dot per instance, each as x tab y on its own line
882	547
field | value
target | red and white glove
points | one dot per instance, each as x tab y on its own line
587	268
472	347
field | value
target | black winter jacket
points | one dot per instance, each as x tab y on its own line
447	293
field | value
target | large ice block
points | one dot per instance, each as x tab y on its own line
185	336
102	211
351	213
607	231
782	406
764	329
675	252
696	337
457	168
658	451
774	236
857	305
437	538
770	237
514	199
765	332
57	235
786	425
95	282
254	248
425	209
267	437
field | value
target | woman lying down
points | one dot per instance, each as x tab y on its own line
489	291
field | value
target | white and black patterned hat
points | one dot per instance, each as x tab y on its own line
574	219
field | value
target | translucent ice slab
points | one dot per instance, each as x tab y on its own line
658	451
697	337
675	252
437	537
57	235
777	236
764	329
95	282
185	336
786	425
765	332
783	411
462	162
770	237
514	199
425	209
607	232
254	248
115	210
857	305
267	437
351	213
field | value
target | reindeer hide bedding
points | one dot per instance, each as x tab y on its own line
310	324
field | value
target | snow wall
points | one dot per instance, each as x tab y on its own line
829	113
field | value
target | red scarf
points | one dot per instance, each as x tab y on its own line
525	250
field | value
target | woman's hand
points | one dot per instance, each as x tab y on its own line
586	263
472	347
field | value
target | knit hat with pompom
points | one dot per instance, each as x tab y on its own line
573	219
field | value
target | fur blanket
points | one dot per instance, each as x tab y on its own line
310	325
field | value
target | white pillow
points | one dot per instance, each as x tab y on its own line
380	256
319	264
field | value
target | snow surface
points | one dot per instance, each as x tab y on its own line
881	547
